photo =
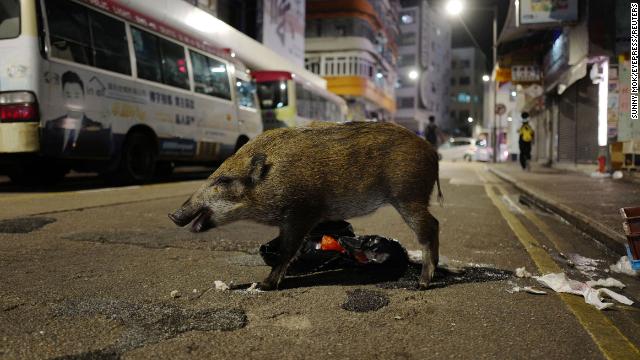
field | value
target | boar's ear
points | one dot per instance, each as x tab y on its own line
259	168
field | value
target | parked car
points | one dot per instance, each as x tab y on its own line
458	148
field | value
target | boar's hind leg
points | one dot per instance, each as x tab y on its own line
292	239
426	228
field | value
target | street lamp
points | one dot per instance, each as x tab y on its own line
413	74
470	119
454	7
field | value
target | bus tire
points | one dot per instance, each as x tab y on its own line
138	159
164	168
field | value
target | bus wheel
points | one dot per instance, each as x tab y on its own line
164	168
38	173
138	160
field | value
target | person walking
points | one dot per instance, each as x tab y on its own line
431	134
526	139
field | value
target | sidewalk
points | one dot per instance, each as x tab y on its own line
588	203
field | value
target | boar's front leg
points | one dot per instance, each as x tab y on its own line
292	234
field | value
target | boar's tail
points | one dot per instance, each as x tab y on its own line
440	196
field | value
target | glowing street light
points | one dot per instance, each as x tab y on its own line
454	7
486	78
509	119
413	74
514	93
470	119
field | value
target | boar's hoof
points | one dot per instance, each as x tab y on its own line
423	285
268	286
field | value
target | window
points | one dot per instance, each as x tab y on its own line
9	19
160	60
453	81
405	102
408	38
465	64
273	94
210	76
110	45
148	60
246	93
464	80
87	37
407	60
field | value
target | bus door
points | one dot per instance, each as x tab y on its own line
249	117
216	117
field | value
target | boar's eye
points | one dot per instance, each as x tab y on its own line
223	180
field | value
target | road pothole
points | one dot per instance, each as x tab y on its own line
24	225
361	300
148	323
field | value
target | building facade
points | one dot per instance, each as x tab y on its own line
353	45
467	89
424	65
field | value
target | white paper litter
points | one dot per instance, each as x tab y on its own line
415	256
623	266
521	272
253	289
175	294
220	285
529	289
617	174
608	282
585	265
559	282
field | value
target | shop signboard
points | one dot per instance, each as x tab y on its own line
283	28
547	11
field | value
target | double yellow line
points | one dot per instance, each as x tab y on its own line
610	340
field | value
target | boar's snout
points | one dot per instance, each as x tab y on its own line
185	215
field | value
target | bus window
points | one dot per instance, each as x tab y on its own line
174	65
147	55
273	94
210	76
9	19
71	25
303	101
110	45
159	60
246	93
68	26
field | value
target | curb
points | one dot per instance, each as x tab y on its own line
609	238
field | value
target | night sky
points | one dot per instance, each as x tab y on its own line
479	23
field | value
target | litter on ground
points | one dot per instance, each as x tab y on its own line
608	282
521	272
559	282
585	265
220	285
175	294
528	289
623	266
253	289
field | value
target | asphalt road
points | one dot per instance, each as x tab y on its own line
87	272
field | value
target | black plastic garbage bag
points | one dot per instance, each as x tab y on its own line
333	245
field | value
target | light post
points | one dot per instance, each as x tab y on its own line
455	8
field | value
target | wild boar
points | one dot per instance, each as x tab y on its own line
296	178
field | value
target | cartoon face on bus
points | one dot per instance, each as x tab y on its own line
74	133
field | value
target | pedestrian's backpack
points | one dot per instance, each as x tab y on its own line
526	132
431	135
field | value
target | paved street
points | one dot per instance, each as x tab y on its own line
88	272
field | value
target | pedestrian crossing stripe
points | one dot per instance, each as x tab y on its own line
609	339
